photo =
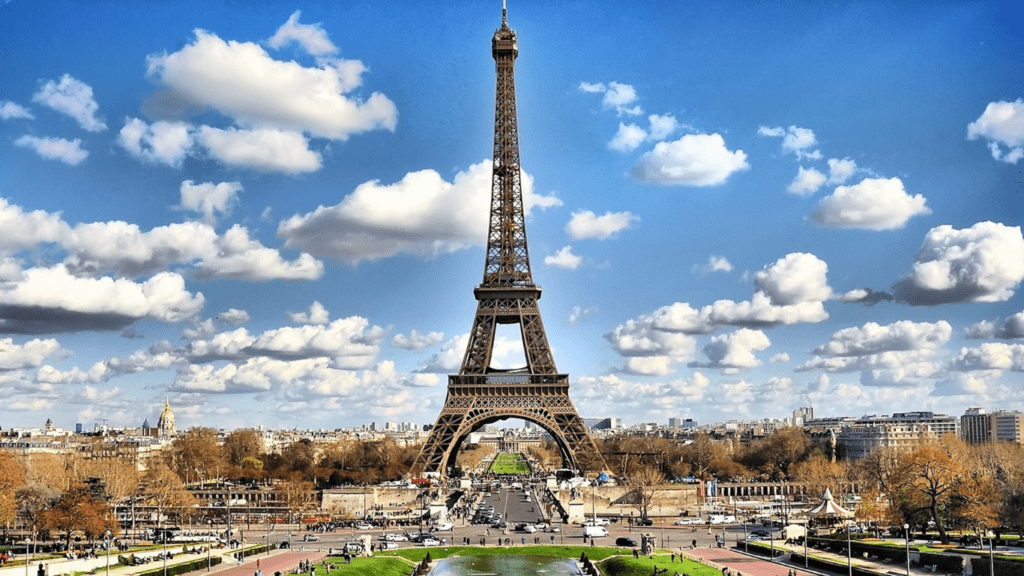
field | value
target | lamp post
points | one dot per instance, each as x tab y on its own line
906	536
28	541
805	542
209	545
991	557
745	536
849	551
107	542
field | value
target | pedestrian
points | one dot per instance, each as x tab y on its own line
694	544
41	571
523	540
257	563
673	557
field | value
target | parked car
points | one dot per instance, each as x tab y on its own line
629	542
693	521
364	526
395	538
530	529
430	542
645	522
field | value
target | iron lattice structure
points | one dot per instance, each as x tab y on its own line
479	394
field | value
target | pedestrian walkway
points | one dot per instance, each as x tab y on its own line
737	563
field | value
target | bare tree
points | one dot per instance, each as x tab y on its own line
644	484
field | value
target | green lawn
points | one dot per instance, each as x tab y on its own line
644	566
509	463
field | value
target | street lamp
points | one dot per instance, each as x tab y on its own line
107	542
849	551
28	541
209	545
906	535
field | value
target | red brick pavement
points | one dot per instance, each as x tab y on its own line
283	562
736	562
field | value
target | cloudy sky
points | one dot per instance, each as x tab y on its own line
274	213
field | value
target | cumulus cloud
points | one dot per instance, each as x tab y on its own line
585	224
242	81
780	358
797	140
1011	328
161	142
564	259
20	229
795	278
990	356
316	314
311	37
28	355
73	98
416	340
628	138
983	263
807	182
208	198
1002	124
233	316
715	264
51	300
898	354
839	171
262	149
874	204
578	313
734	350
505	353
10	110
631	136
422	214
67	151
617	97
693	160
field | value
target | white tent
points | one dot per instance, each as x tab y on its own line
828	508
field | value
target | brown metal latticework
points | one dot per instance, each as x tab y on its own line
479	394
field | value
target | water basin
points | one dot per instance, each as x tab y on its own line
505	565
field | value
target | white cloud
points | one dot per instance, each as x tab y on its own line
839	171
564	259
874	204
873	338
74	98
598	88
807	182
161	142
794	278
126	250
734	350
28	355
585	224
207	198
233	316
983	263
794	139
417	340
20	229
627	138
977	384
1002	124
1011	328
240	80
662	126
780	358
67	151
578	313
311	37
898	354
648	365
351	341
262	149
990	356
619	97
101	302
421	215
715	264
693	160
317	314
10	110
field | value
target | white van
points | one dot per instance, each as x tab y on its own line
594	531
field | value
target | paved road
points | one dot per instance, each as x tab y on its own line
738	563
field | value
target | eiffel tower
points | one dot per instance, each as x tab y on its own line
480	394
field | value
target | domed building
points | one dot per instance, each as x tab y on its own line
166	427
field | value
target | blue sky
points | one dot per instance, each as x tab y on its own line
274	214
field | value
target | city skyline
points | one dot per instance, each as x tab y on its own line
275	215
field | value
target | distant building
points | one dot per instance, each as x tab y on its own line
979	427
901	430
602	423
166	426
675	422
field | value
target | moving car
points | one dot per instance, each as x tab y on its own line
689	521
594	531
430	542
310	538
395	538
625	542
364	526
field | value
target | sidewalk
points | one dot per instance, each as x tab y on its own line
739	563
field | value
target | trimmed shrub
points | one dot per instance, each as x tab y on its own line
183	568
